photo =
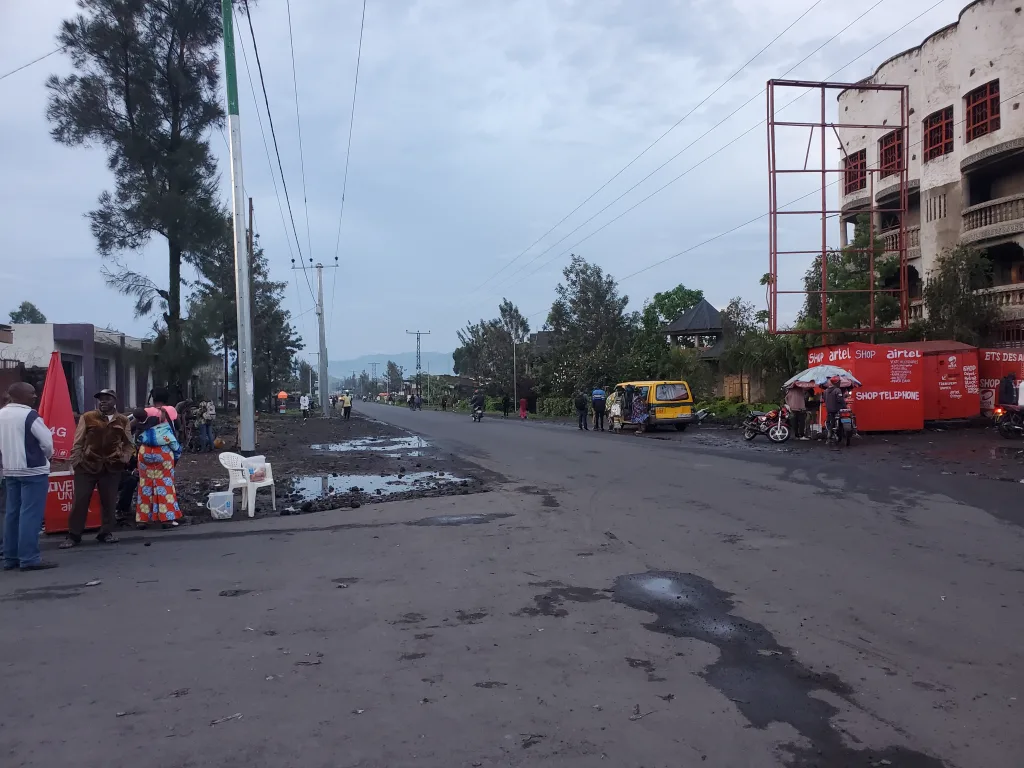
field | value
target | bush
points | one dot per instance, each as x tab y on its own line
728	410
556	407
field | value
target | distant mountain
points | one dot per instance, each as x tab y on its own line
439	362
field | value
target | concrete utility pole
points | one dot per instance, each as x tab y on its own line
322	366
246	404
323	341
417	334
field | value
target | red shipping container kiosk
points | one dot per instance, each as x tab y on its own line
890	398
993	364
951	379
59	499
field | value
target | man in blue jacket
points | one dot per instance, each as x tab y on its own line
26	446
597	401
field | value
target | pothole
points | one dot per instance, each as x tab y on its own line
384	444
312	487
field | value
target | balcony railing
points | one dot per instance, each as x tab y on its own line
891	238
1008	298
1004	213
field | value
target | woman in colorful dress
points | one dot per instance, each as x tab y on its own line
159	451
639	415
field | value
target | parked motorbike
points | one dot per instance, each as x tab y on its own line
774	425
1009	421
843	429
478	413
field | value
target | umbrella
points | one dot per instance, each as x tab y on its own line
819	373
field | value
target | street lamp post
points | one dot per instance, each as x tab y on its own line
515	379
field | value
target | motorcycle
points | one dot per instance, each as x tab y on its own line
774	424
478	413
1009	421
843	429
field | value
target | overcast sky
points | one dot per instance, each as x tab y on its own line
479	125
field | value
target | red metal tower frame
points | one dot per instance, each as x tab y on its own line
824	213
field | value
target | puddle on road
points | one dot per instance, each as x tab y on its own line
311	487
393	444
760	676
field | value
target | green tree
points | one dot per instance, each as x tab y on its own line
27	313
485	349
751	350
395	374
306	379
591	328
848	270
145	88
650	349
951	304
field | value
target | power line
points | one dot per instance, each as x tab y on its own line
266	147
273	135
298	123
765	215
348	152
34	61
653	143
691	144
713	154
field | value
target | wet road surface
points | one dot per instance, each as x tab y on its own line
618	601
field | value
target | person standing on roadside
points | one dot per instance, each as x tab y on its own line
581	411
26	446
835	401
102	449
207	415
506	406
797	404
523	405
597	402
346	405
304	406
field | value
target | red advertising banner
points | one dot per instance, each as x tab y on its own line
55	409
59	498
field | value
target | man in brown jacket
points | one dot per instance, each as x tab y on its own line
103	446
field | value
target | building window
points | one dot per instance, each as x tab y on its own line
982	108
890	154
855	172
938	134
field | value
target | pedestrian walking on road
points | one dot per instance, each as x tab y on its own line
506	406
304	406
444	403
522	408
346	405
597	402
102	449
581	411
26	446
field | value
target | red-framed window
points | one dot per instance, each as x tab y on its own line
938	134
981	107
890	154
855	170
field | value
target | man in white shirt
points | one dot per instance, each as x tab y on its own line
304	405
26	446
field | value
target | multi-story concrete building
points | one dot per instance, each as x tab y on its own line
965	151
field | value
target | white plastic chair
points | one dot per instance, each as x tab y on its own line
252	487
237	477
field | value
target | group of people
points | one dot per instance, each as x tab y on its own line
122	458
625	405
802	402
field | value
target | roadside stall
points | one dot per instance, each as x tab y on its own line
950	378
890	398
993	365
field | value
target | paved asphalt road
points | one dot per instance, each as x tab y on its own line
618	601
